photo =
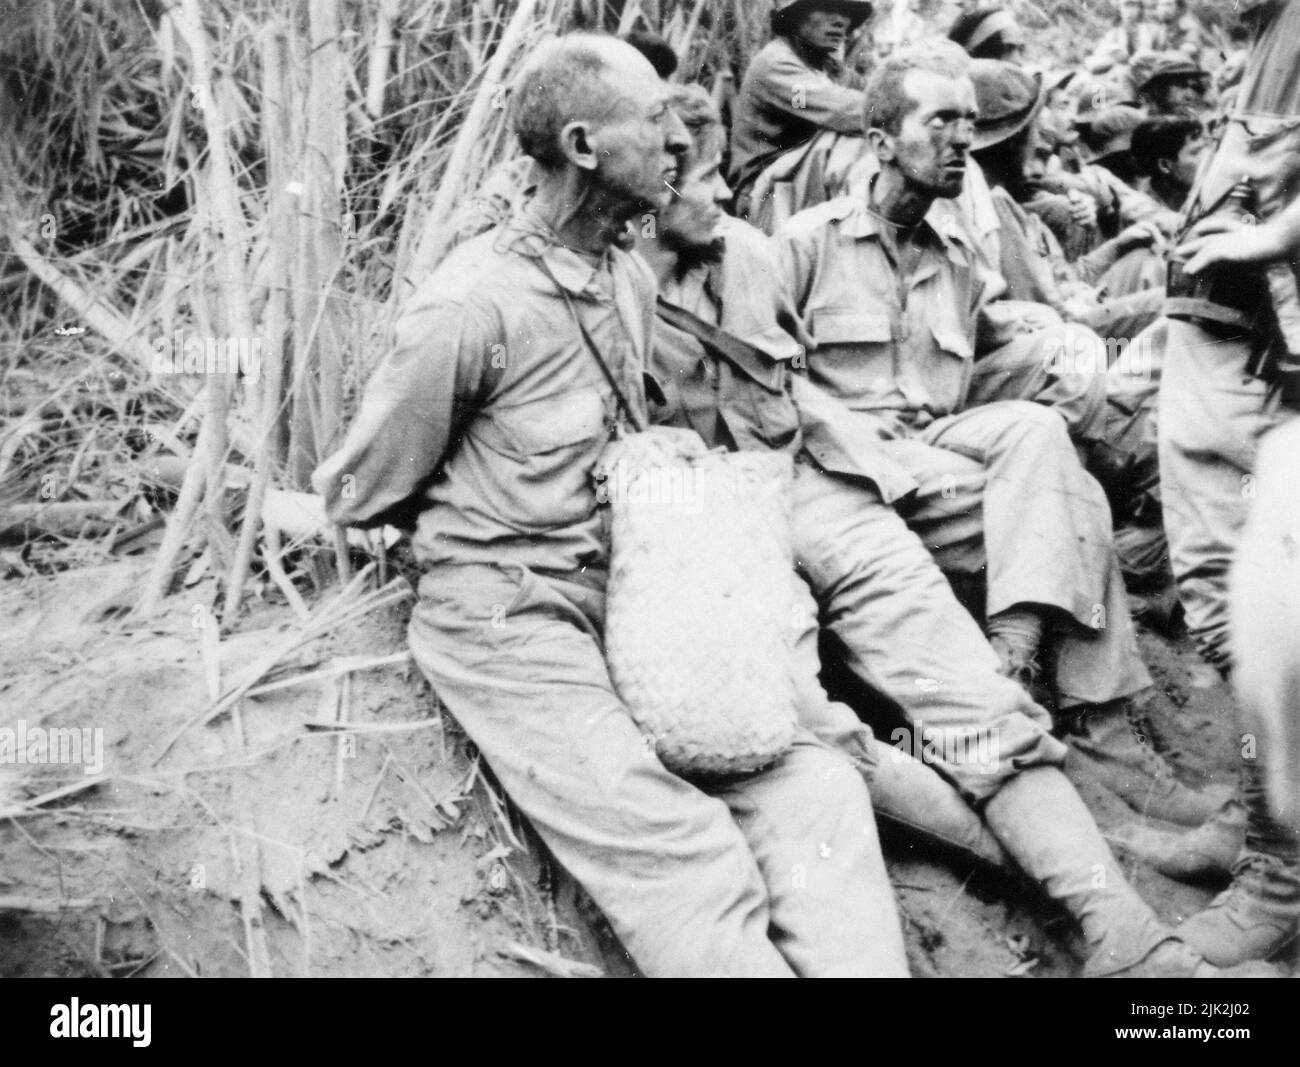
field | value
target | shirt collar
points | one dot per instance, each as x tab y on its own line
941	225
574	272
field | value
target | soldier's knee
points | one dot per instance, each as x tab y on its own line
1093	357
1072	349
1031	422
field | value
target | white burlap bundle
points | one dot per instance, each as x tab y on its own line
698	627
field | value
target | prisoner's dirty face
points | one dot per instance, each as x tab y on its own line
693	214
637	139
929	150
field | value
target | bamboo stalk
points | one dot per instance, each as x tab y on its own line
187	506
271	553
325	165
219	202
68	518
214	459
435	235
228	217
381	56
272	383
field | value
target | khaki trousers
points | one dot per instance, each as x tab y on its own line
778	873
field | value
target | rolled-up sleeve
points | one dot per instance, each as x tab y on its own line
409	413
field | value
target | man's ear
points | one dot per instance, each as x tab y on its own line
882	144
1165	167
575	143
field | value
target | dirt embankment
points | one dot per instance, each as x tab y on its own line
333	822
270	839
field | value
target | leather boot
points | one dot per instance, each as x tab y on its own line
911	795
1044	825
1206	853
1108	749
1177	959
1254	918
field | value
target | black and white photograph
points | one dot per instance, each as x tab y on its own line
649	488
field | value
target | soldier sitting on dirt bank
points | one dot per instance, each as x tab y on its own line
490	415
724	360
896	298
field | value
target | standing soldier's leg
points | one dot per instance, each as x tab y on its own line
1212	416
1266	620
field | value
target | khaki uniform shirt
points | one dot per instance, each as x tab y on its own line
899	346
776	409
488	416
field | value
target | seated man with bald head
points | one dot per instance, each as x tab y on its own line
487	422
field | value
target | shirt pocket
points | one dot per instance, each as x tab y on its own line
854	353
552	445
946	369
555	422
775	343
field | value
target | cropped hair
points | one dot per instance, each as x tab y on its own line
700	116
887	100
564	81
656	49
1161	138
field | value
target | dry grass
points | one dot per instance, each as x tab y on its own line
256	169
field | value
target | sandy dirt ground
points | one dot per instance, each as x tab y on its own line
333	822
